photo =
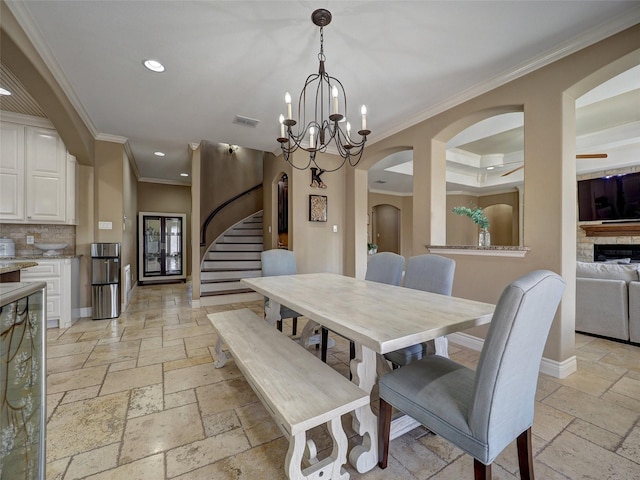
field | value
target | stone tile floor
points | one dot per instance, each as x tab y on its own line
138	398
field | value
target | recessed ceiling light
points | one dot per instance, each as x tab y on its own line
4	91
154	65
490	168
184	174
159	154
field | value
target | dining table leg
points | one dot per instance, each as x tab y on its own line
272	312
364	457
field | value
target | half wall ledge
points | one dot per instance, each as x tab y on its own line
495	251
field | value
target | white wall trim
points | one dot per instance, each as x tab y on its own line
548	367
86	312
195	303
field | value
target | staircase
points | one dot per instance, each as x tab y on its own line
234	255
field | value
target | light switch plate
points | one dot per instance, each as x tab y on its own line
335	229
30	240
105	225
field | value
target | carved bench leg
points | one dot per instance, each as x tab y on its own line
303	452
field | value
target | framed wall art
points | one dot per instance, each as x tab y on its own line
317	208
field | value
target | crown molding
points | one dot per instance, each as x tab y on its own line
389	192
163	181
105	137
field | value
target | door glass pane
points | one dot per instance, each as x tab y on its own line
173	245
152	246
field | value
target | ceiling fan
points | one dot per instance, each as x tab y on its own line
581	156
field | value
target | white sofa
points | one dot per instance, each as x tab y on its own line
608	300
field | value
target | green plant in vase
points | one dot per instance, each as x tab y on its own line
479	218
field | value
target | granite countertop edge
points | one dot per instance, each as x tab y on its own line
12	267
38	257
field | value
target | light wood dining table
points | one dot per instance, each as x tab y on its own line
379	319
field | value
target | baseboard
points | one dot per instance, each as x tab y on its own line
195	303
85	312
466	340
549	367
559	369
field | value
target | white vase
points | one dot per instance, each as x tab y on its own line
484	238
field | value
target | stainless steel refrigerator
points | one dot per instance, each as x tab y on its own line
105	280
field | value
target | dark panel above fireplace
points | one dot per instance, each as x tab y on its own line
602	253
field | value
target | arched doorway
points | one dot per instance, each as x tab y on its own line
385	228
283	212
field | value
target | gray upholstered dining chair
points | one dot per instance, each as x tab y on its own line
430	273
482	412
383	267
280	262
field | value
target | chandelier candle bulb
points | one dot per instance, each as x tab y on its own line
281	126
334	94
363	110
287	99
311	132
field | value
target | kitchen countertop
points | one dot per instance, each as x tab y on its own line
6	267
37	257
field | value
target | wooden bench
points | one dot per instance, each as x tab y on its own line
299	391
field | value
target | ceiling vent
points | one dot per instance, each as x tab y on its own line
380	181
246	121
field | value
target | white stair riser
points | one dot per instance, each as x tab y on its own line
245	247
239	232
243	239
233	256
222	287
229	275
243	264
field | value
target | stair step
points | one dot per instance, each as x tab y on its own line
243	239
236	255
244	232
226	292
235	265
227	286
237	247
231	255
207	276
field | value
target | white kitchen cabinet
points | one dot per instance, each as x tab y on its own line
63	294
37	175
46	167
11	171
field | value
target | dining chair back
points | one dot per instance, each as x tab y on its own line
280	262
482	412
385	267
429	273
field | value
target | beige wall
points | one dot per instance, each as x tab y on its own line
402	203
85	215
160	197
317	247
129	231
547	97
462	231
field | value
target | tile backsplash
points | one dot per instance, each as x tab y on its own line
41	234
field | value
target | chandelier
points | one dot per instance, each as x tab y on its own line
327	122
